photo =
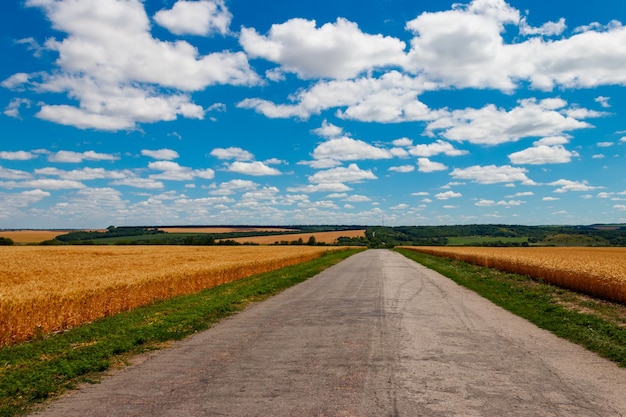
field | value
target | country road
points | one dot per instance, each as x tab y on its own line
376	335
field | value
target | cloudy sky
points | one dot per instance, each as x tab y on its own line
402	112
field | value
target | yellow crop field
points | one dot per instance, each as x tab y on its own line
325	237
599	272
47	289
32	236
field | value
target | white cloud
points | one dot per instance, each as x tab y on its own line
550	199
493	126
402	168
448	195
356	198
328	130
352	173
174	172
568	185
492	174
348	149
522	194
542	154
605	144
436	148
464	47
162	154
13	108
406	142
120	75
232	186
335	50
13	174
390	98
252	168
13	205
17	155
82	174
401	206
426	165
145	183
485	203
547	29
323	187
78	157
621	207
237	154
603	101
16	81
195	18
321	163
45	184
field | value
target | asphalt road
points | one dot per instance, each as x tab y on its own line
376	335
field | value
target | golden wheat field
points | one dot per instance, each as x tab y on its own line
32	236
46	289
324	237
599	272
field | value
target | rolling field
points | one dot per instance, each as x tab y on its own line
600	272
324	237
32	236
48	289
221	229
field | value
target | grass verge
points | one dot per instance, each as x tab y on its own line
598	325
33	372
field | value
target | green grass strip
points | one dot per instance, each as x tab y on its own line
540	303
33	372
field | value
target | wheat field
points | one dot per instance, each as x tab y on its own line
47	289
600	272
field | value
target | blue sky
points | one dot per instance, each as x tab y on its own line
123	112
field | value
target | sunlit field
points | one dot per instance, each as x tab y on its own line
323	237
48	289
599	272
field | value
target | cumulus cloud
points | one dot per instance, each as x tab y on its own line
235	153
447	195
13	174
195	18
162	154
390	98
335	50
78	157
436	148
569	185
44	184
545	151
328	130
352	173
465	47
82	174
402	168
135	182
322	187
492	174
426	165
174	172
493	126
17	155
252	168
13	108
121	75
348	149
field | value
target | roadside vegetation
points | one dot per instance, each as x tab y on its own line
598	325
41	369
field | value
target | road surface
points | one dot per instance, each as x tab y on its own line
376	335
